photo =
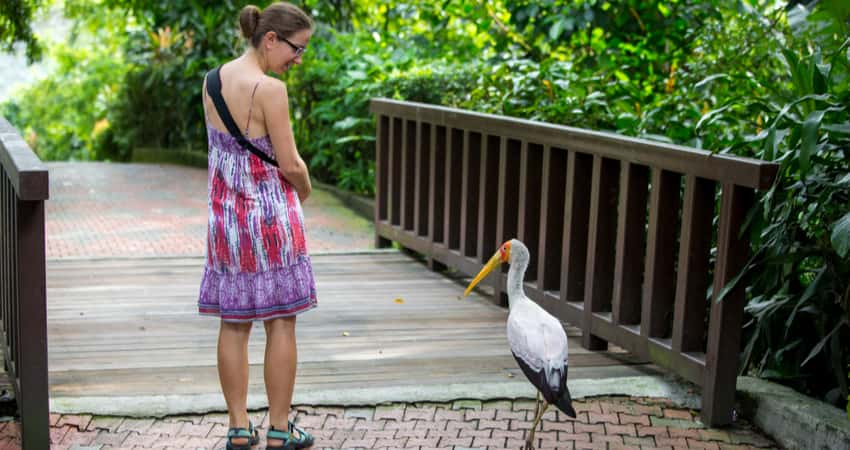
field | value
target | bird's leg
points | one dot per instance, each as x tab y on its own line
537	405
530	439
538	415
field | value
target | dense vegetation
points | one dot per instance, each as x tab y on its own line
758	78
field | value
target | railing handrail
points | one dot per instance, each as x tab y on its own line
26	172
743	171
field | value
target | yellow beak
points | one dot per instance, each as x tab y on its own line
494	262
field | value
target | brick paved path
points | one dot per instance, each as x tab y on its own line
602	423
104	209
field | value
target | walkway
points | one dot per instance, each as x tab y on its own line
158	213
141	210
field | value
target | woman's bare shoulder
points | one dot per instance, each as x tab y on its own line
273	90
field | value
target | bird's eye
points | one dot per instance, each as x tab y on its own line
504	251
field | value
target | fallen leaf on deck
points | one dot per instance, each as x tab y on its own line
399	301
345	333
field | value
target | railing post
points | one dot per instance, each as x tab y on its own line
626	296
32	321
724	332
23	294
693	270
600	248
381	177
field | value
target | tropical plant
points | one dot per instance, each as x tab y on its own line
64	116
16	26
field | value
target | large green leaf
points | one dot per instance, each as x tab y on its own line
809	140
817	348
841	235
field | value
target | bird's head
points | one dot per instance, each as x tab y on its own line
507	253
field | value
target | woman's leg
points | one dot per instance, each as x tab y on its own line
233	372
280	363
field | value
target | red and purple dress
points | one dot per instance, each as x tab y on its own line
257	265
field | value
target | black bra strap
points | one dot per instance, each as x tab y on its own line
214	91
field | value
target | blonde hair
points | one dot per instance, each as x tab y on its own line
283	18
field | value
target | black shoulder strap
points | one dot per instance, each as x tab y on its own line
214	91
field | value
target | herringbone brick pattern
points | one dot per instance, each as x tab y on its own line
602	423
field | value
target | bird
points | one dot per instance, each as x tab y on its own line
537	339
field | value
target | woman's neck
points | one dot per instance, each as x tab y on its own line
255	58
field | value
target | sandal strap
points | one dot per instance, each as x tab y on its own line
303	436
238	433
293	427
279	434
255	435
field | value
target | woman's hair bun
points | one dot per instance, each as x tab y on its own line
249	17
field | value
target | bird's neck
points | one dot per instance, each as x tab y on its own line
516	293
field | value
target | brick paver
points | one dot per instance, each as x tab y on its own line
110	209
460	425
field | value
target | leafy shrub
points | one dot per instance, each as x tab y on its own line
330	97
64	116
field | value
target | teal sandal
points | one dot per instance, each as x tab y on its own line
287	438
304	438
249	433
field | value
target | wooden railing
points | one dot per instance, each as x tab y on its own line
23	305
621	230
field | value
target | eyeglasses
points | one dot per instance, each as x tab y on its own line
299	50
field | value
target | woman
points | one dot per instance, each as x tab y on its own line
257	265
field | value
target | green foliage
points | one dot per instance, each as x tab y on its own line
169	55
65	115
800	308
330	99
16	26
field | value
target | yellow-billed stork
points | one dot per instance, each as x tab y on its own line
537	339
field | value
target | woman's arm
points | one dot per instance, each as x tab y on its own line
275	104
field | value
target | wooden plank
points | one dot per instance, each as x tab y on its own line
510	160
724	329
423	178
692	279
552	218
140	337
454	172
489	198
530	188
600	247
472	204
626	301
31	357
576	214
659	271
381	167
409	174
437	195
469	194
403	176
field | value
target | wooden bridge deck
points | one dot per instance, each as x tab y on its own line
129	329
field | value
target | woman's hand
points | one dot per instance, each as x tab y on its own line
305	191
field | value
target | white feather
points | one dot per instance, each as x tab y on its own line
538	338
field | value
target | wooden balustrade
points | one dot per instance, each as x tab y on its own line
23	305
621	230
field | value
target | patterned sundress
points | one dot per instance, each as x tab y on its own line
257	265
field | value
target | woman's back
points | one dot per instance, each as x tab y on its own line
239	85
